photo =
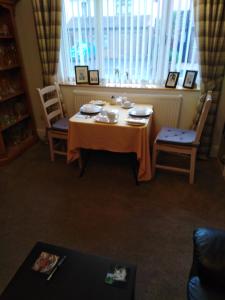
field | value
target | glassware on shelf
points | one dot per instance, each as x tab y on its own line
8	55
2	51
19	109
5	88
13	53
4	30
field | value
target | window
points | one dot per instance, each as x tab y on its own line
128	41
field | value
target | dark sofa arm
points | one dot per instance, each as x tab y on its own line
209	256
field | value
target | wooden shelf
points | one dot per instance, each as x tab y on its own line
18	127
16	122
12	96
6	68
14	151
6	37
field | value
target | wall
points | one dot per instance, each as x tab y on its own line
220	121
32	66
190	98
30	56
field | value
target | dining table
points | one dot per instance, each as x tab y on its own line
87	132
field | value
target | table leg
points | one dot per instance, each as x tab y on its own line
135	167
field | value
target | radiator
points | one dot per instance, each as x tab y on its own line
167	108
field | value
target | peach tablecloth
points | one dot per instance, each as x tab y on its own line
120	137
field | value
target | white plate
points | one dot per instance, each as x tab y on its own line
97	102
136	122
90	109
140	112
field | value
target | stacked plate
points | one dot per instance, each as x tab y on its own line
136	122
98	102
90	109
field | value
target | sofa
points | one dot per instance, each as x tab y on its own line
207	276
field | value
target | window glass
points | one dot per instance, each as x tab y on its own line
128	41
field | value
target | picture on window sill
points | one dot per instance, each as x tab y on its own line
172	79
189	80
81	73
93	76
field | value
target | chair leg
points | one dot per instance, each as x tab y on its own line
154	158
192	165
51	147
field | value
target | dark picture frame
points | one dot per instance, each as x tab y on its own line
189	79
172	79
93	76
81	73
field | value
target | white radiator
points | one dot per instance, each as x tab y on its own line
167	108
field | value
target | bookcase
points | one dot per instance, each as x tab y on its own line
221	154
16	121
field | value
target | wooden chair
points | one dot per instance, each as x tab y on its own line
179	141
57	124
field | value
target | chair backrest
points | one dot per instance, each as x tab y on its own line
51	104
203	116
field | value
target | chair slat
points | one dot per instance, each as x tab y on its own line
54	114
203	116
51	102
168	141
49	97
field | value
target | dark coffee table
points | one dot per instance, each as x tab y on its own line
81	277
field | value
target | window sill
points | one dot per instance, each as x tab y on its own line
129	86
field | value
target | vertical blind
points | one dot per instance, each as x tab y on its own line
128	41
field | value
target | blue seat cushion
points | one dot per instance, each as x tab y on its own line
61	124
176	136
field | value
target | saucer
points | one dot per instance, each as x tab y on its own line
98	102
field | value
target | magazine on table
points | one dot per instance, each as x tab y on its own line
117	276
46	262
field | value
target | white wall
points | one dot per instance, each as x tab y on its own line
190	99
220	121
30	56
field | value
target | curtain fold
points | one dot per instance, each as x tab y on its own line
47	15
210	29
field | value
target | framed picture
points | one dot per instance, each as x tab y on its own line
189	80
172	79
81	73
93	76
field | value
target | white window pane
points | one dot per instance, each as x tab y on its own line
136	41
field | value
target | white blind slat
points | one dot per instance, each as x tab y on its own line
135	40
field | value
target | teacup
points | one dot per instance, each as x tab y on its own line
123	99
127	104
111	114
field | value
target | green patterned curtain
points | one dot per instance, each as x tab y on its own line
210	28
47	15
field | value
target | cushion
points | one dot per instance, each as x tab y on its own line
197	291
176	136
209	252
61	124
